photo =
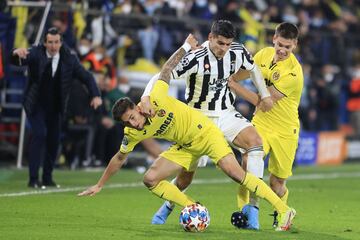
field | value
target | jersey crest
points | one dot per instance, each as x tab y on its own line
276	76
161	113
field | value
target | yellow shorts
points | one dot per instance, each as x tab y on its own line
282	152
212	143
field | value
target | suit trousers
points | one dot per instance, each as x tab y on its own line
44	142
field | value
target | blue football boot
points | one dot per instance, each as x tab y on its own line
162	214
252	214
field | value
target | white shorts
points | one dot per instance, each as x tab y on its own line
231	123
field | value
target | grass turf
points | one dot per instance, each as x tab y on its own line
326	203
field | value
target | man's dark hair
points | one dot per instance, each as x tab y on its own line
223	28
52	31
120	107
287	30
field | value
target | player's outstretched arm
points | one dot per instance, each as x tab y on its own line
114	165
190	43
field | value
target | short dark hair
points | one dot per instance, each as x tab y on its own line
52	31
120	107
287	30
223	28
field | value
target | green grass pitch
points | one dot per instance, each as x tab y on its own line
326	199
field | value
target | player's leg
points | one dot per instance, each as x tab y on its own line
249	139
182	181
280	166
231	167
243	136
221	154
154	179
278	185
152	147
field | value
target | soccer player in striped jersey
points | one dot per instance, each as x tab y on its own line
279	127
194	135
207	71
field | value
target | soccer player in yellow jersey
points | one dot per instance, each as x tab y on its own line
194	135
279	127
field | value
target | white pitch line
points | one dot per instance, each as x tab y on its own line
314	176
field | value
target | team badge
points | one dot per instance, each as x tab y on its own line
276	76
161	113
207	69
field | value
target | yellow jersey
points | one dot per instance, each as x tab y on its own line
173	121
287	77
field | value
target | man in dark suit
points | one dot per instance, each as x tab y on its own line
52	69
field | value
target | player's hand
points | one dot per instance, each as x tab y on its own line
21	52
96	102
91	191
266	104
107	122
145	107
193	42
231	82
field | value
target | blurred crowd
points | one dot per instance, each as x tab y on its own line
113	37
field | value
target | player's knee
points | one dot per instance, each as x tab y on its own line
254	140
150	180
183	182
230	166
248	138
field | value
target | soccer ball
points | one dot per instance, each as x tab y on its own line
195	218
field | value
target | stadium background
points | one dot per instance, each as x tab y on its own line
130	40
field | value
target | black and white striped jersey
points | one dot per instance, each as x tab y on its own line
207	77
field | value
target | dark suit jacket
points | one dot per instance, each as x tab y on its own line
71	69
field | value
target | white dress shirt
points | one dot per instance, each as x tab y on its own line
54	62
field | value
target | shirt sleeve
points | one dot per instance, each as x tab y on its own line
160	92
246	57
129	141
185	67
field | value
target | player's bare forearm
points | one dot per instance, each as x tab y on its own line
241	75
171	64
114	165
190	43
244	93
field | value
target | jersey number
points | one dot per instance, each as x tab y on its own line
238	115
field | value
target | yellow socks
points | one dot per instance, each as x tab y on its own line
262	190
285	197
242	196
171	193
